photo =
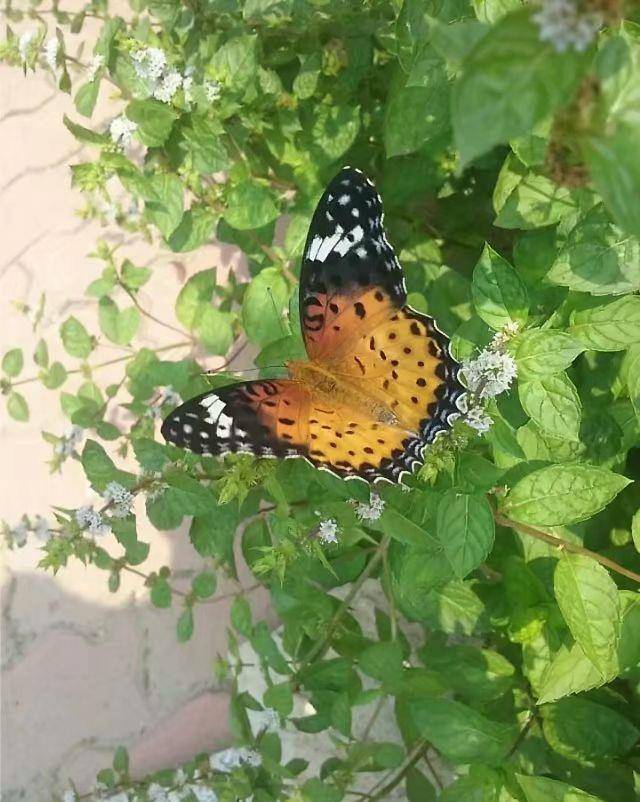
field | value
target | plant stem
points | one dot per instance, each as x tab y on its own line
147	314
561	544
230	595
321	647
417	752
104	364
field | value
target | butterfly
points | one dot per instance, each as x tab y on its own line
380	383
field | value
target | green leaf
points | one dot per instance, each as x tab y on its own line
17	407
540	352
588	601
154	120
161	593
121	760
279	697
610	326
84	135
195	297
635	530
475	674
570	671
382	661
597	258
118	326
499	294
407	127
163	196
75	338
206	147
86	97
241	616
582	730
13	362
204	585
184	627
553	404
235	63
262	307
249	205
100	468
616	174
314	790
334	129
134	277
562	494
215	330
305	82
55	376
544	789
195	229
462	734
419	789
41	354
466	530
510	81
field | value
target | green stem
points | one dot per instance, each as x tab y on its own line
564	545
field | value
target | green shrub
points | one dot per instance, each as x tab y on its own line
504	141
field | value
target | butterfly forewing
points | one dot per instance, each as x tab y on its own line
346	256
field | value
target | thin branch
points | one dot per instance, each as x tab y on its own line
106	363
522	734
321	646
148	314
561	544
230	595
418	751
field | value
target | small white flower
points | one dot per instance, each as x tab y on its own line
42	529
179	777
97	63
328	531
490	374
212	90
70	439
478	419
168	86
69	795
87	518
203	794
156	793
233	758
567	24
371	511
121	130
19	534
502	337
51	53
149	63
178	794
121	498
24	44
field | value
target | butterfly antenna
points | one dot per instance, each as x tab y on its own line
239	370
277	313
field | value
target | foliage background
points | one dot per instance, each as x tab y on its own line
301	93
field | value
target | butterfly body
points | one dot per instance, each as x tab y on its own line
379	384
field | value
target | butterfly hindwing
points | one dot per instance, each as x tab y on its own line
346	256
265	418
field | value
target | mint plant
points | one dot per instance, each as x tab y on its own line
503	140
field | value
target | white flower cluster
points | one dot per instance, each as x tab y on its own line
51	53
568	24
489	374
40	527
202	793
328	531
267	720
97	63
87	518
371	511
120	498
151	66
69	440
233	758
24	45
121	130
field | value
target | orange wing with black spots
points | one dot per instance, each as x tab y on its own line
381	383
